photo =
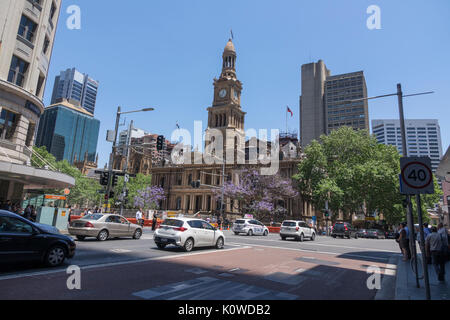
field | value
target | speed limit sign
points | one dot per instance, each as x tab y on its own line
416	176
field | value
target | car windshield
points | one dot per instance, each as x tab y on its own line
173	223
339	226
289	224
93	217
240	221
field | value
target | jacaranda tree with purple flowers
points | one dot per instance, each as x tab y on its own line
149	198
258	194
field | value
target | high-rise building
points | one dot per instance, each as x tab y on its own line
69	132
423	137
74	85
326	102
135	133
27	31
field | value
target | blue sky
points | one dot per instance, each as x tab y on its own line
166	53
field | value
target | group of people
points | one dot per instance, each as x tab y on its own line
140	219
436	246
28	213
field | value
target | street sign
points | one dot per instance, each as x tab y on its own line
416	176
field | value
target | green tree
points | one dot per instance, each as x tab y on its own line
356	174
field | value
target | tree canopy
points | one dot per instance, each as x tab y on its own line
356	174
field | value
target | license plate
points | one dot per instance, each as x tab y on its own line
163	240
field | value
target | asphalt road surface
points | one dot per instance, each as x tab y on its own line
247	268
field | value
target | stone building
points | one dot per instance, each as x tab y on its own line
227	117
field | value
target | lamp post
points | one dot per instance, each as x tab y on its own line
111	157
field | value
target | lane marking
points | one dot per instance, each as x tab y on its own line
324	252
328	245
119	263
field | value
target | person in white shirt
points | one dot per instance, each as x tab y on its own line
139	219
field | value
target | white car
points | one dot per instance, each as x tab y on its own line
188	233
297	229
250	227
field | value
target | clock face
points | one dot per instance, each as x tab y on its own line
223	93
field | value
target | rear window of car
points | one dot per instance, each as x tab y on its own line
93	217
173	223
240	221
289	224
339	226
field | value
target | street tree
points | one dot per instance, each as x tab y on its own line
149	197
258	194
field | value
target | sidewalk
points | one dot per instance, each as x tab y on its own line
406	287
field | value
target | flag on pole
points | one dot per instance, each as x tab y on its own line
290	111
232	36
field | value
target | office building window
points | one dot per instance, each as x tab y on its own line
46	45
27	28
8	123
17	71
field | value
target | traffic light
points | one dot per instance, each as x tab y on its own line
115	180
327	213
104	178
196	184
160	143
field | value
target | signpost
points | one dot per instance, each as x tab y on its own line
416	178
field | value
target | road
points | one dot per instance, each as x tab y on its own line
247	268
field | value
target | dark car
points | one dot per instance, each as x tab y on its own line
391	235
363	233
376	234
22	240
344	230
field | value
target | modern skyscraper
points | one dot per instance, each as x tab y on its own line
423	137
68	132
73	85
325	102
135	133
27	31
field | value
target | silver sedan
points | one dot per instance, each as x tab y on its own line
103	227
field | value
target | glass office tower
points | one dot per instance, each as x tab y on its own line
68	132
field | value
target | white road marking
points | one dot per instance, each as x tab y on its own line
332	245
120	263
322	252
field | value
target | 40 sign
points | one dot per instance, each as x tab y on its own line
416	176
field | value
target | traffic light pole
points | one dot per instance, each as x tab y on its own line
125	168
111	158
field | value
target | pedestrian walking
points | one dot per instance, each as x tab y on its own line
154	222
27	214
403	242
435	244
139	216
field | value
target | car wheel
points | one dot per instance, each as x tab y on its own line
302	237
283	238
250	233
236	233
81	238
266	233
55	256
356	236
189	245
103	235
219	243
334	237
137	234
160	245
313	237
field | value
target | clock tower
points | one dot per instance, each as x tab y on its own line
226	114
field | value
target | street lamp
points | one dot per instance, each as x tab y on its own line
111	157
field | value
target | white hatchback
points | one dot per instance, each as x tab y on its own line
250	227
188	233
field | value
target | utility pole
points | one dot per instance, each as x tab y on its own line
125	167
111	158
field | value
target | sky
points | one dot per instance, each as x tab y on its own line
166	53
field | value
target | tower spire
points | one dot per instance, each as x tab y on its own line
229	61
